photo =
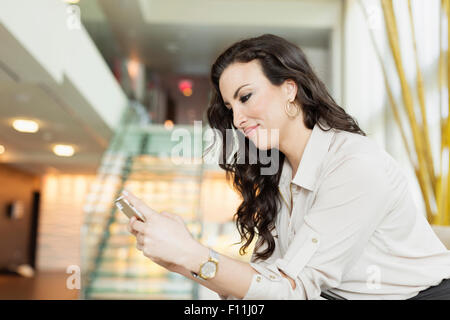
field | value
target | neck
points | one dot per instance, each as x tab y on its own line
293	141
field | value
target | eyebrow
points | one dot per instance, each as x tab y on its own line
237	91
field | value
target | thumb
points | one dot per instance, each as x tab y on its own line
139	204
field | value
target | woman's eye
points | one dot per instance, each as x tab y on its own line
245	98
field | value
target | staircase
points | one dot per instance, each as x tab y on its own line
139	159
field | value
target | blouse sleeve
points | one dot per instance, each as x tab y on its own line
350	202
262	265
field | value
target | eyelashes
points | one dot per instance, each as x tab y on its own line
243	99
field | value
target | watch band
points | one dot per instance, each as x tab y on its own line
214	257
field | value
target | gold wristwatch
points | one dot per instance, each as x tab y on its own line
208	269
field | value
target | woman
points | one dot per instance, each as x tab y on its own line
336	217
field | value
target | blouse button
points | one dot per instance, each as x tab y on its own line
258	278
314	240
272	277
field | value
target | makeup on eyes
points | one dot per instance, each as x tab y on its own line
235	95
245	98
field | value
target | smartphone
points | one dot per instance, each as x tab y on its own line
126	207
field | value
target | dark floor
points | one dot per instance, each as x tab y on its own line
44	286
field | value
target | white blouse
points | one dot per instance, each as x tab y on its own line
354	228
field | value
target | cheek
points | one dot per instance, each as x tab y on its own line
257	108
273	117
267	110
274	121
268	134
263	109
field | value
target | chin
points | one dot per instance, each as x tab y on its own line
261	144
264	147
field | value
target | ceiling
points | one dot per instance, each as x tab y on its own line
184	37
28	90
169	37
56	126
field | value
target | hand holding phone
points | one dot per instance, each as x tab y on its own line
127	208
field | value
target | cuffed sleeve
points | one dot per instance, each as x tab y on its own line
229	297
271	284
263	288
350	203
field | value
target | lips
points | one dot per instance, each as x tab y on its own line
249	130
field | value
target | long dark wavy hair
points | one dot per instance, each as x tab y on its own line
280	60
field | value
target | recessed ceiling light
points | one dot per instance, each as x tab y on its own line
23	125
2	149
63	150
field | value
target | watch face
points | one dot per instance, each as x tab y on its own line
209	269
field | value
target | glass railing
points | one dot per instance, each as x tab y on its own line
140	158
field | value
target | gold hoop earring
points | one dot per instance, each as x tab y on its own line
289	111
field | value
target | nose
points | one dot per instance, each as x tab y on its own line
239	118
